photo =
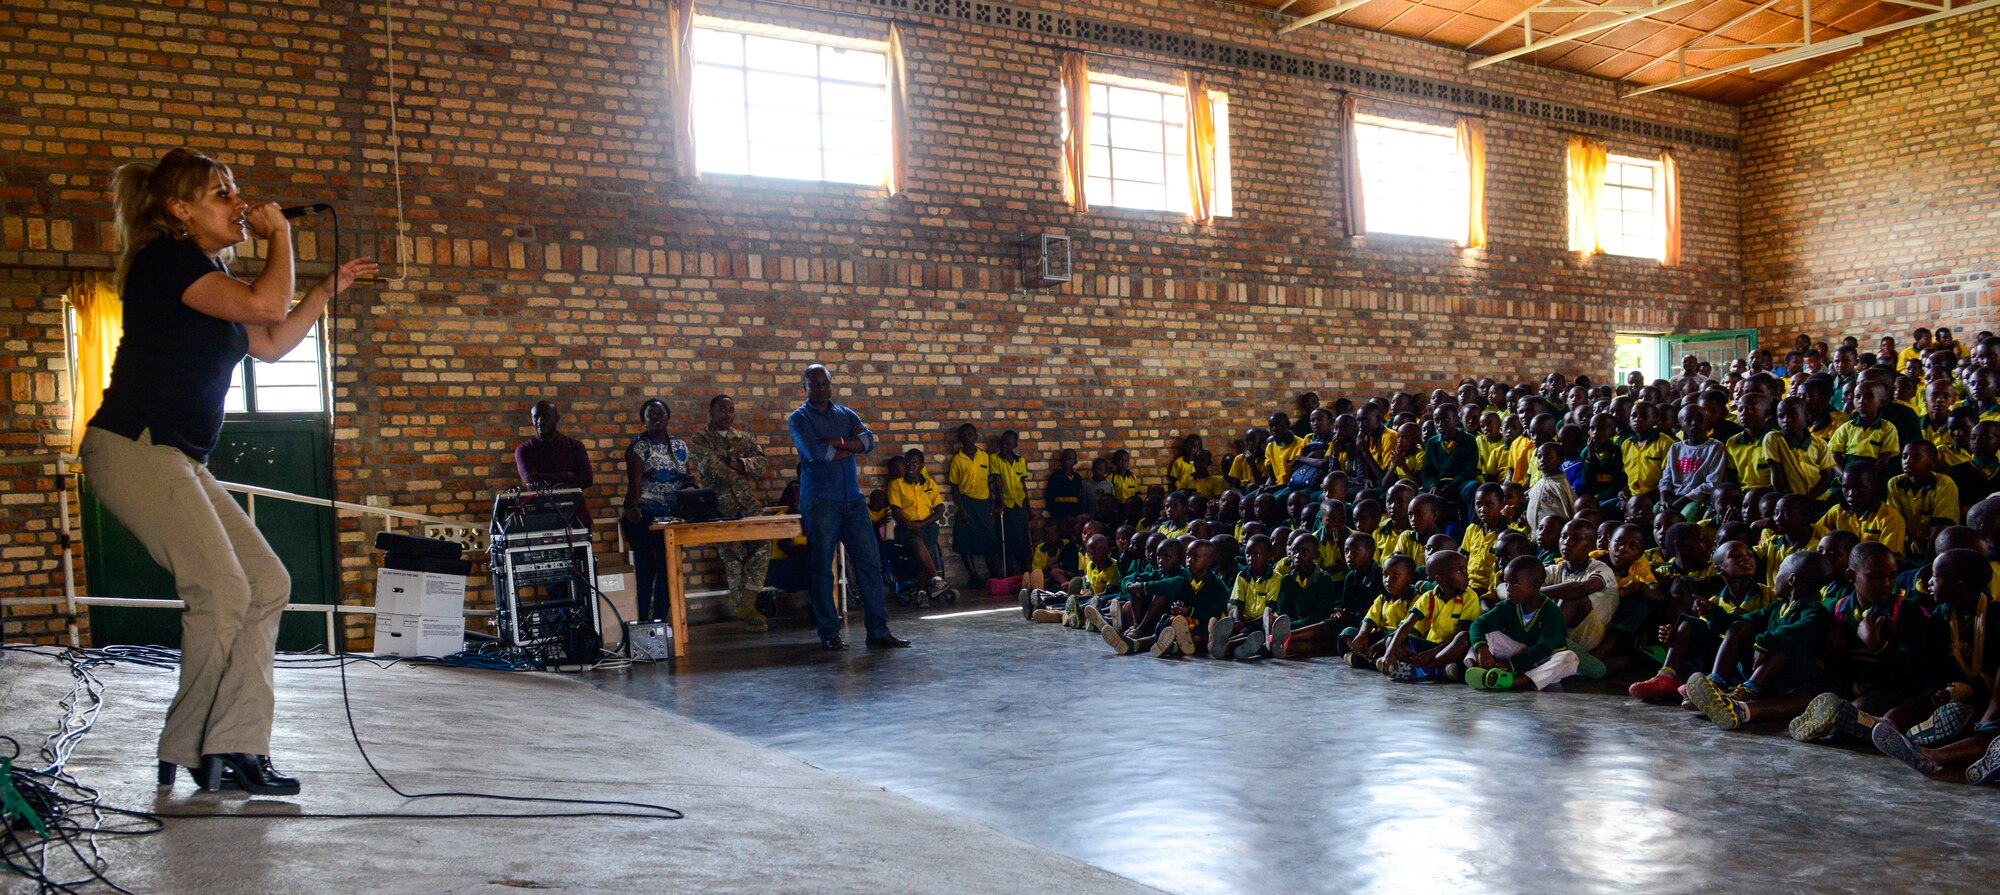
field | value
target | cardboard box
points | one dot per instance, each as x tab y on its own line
429	594
418	635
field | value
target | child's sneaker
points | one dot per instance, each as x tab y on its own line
1071	617
1183	635
1047	616
1943	726
1029	604
1280	638
1894	744
1403	673
1986	769
1454	672
937	588
1709	699
1357	660
1823	716
1117	616
1116	639
1658	688
1163	642
1220	630
1094	618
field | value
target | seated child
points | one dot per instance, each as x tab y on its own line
1480	537
1962	678
1096	579
1790	532
1548	538
1865	513
1181	604
1368	640
1642	604
1695	464
1433	636
1519	643
1876	647
1773	654
1586	590
914	501
1360	583
1551	496
1256	587
1707	607
1295	624
1050	565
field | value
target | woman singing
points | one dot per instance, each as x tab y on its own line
188	323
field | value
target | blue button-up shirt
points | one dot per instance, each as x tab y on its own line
820	475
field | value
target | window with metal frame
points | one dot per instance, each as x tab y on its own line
781	103
294	384
1138	146
1413	182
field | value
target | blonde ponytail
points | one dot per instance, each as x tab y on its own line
139	194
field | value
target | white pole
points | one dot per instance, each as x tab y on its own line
68	561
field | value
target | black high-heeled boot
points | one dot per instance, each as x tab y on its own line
167	769
251	773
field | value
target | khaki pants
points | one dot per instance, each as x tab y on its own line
234	586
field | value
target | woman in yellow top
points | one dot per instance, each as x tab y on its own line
974	531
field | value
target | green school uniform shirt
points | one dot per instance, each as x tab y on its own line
1307	599
1542	633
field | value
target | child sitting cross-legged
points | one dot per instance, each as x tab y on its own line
1586	590
1433	636
1963	615
1296	624
1707	608
1096	580
1242	626
1520	643
1368	641
1769	666
1877	644
1178	604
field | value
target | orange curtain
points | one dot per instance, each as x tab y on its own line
1587	160
100	324
899	113
1472	154
1350	166
1670	205
680	82
1076	127
1200	150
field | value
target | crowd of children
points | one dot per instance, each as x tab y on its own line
1785	543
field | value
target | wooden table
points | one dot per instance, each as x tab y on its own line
685	534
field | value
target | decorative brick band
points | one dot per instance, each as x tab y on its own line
1061	26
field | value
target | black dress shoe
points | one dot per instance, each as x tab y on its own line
833	643
253	774
887	641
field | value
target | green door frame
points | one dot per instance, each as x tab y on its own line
1673	346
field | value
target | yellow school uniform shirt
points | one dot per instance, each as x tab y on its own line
1644	461
1480	563
1492	457
1210	487
1949	452
917	500
1278	457
1904	357
1858	441
1243	469
1757	597
1255	593
1746	456
1834	420
1520	461
1044	556
1101	579
1919	504
1178	470
1123	485
1884	526
1772	549
968	475
1013	481
1439	618
1171	530
1641	572
1802	463
1405	543
1387	612
878	517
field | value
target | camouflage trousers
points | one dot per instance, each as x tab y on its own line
743	565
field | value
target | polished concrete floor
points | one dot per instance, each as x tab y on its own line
1195	776
758	822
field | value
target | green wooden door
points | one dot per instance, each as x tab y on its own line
288	454
1717	348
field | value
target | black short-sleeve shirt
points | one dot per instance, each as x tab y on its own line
174	363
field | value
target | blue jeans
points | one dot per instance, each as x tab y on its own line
830	524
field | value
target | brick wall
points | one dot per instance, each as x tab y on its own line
1872	201
555	254
34	369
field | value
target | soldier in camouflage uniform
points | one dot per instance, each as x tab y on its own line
729	461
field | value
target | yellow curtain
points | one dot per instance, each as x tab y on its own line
1076	127
1670	203
1472	153
899	113
1200	150
1350	166
100	324
680	82
1587	159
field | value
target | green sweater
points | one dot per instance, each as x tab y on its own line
1791	627
1206	597
1541	636
1309	601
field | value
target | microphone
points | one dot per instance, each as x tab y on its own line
295	212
